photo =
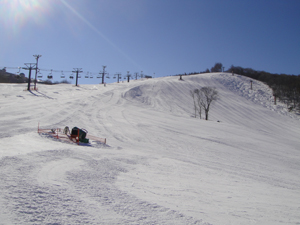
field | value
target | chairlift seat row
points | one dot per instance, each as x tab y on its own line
50	76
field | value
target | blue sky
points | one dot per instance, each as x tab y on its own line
161	37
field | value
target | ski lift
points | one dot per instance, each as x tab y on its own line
71	77
107	76
18	73
98	77
39	75
50	75
62	74
87	75
19	70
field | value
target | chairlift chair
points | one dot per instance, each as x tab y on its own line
50	75
40	75
18	73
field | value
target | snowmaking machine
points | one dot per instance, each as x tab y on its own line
80	134
76	135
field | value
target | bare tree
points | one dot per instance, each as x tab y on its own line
202	99
192	93
208	95
196	95
199	96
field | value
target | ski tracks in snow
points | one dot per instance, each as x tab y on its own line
68	187
163	167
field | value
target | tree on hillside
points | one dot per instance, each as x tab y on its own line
193	94
217	68
199	96
208	95
204	97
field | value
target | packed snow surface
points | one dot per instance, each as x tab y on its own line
160	164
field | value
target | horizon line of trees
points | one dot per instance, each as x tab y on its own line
6	77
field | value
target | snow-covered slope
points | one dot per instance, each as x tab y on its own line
160	165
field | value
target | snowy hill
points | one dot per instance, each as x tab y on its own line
160	165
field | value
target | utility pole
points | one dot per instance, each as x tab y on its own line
128	76
103	74
136	75
36	69
119	75
77	71
30	66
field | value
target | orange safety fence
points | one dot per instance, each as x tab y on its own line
57	133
